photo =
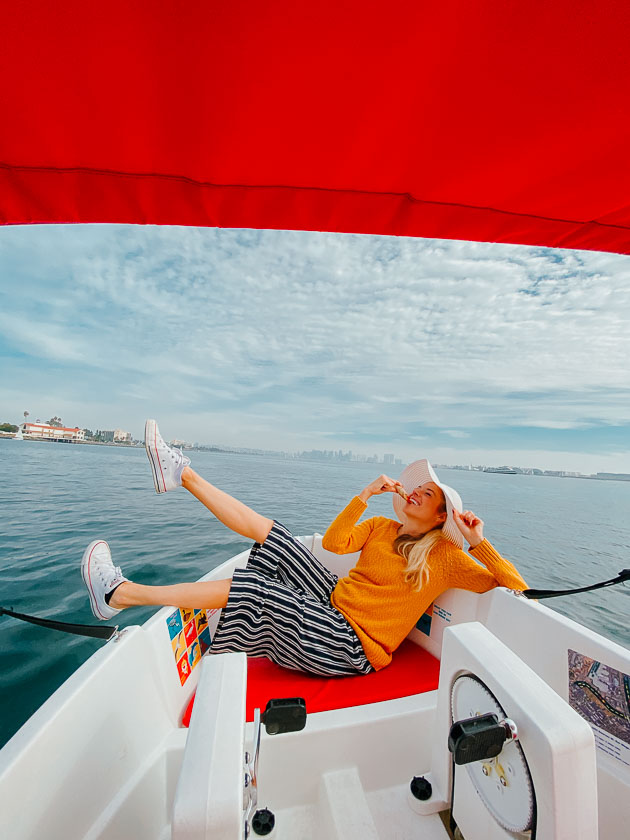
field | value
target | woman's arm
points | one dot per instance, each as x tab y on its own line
498	571
343	535
504	572
382	484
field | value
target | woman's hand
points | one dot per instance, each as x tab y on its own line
470	526
382	484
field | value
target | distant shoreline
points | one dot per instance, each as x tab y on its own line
286	456
76	442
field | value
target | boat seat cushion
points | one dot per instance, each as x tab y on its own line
412	671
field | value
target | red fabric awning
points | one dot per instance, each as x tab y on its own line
490	121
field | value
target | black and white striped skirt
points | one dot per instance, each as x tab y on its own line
279	607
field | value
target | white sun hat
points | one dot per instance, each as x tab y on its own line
417	474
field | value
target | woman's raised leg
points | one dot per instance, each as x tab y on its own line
170	468
234	514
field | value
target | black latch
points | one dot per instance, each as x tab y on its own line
263	822
477	738
421	788
287	714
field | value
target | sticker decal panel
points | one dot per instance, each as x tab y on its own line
190	639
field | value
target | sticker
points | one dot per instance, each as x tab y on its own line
194	654
204	641
201	622
601	695
187	614
174	624
190	639
440	612
183	667
179	645
424	624
190	631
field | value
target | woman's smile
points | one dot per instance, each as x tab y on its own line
430	502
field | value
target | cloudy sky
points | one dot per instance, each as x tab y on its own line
462	352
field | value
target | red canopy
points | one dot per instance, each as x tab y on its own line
491	121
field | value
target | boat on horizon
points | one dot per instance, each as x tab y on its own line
501	470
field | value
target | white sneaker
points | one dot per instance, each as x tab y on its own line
166	462
101	577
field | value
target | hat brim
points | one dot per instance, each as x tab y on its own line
417	474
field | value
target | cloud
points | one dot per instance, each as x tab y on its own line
271	338
40	339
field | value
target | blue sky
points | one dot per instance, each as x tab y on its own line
461	352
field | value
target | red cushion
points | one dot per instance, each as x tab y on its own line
412	671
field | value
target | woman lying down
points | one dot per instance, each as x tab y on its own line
286	605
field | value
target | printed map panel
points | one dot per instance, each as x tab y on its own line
190	639
601	695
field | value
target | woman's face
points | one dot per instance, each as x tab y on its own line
426	508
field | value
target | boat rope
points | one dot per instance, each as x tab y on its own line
107	631
622	577
101	632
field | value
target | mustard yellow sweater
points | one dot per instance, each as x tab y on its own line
375	599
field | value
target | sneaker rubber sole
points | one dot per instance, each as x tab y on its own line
150	444
87	578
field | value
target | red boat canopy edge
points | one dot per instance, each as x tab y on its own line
501	123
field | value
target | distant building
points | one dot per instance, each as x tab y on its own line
44	432
388	458
614	476
121	437
103	435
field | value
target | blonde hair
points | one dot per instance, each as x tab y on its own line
416	552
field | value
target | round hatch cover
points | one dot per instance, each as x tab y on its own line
504	783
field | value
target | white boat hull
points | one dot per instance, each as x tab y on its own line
101	759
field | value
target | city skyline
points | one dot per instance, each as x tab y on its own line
121	437
460	352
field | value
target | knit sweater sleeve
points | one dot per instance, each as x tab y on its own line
467	574
343	535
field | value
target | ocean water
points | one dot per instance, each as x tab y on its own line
55	499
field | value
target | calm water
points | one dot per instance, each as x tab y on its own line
55	499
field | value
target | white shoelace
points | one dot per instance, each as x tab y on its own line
107	579
176	454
